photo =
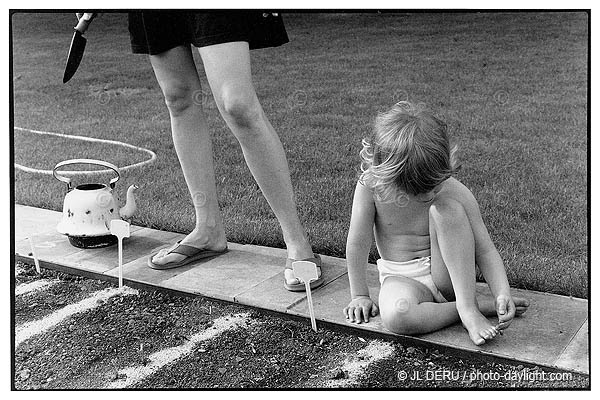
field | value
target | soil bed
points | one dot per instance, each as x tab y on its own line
88	349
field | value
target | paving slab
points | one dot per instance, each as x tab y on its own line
330	301
551	322
97	260
575	355
543	344
34	221
139	272
271	294
553	332
50	246
226	276
267	251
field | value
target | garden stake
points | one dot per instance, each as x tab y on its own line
120	229
306	272
35	259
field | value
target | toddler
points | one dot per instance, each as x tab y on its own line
429	233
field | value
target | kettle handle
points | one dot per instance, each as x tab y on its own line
67	180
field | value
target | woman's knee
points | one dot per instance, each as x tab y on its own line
179	96
240	107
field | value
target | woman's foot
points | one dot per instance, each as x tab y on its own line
294	284
298	249
214	241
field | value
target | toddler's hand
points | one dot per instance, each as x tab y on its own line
505	308
360	309
508	307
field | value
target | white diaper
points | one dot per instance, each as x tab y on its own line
418	269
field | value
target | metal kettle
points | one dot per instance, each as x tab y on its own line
89	208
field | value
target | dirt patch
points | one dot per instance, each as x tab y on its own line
88	350
68	289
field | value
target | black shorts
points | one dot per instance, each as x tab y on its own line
154	32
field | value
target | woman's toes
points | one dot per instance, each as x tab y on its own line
158	256
290	278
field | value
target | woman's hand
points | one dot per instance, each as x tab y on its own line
84	20
88	16
360	309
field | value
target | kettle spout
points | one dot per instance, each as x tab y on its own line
129	208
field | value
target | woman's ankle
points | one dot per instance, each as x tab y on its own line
206	237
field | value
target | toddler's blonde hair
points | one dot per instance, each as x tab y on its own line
409	152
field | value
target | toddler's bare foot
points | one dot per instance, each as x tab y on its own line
478	326
489	307
521	304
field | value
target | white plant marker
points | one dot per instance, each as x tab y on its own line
120	229
35	259
306	271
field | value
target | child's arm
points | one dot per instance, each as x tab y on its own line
358	245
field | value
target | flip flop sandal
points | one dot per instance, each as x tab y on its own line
192	254
300	287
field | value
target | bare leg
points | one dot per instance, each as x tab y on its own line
441	277
407	307
227	68
453	248
178	78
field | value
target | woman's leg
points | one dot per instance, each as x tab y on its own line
227	68
453	266
178	78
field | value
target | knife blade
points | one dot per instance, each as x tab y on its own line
77	46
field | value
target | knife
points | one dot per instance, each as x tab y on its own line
77	46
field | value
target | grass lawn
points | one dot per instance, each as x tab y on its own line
511	86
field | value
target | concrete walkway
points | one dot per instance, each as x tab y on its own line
553	332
